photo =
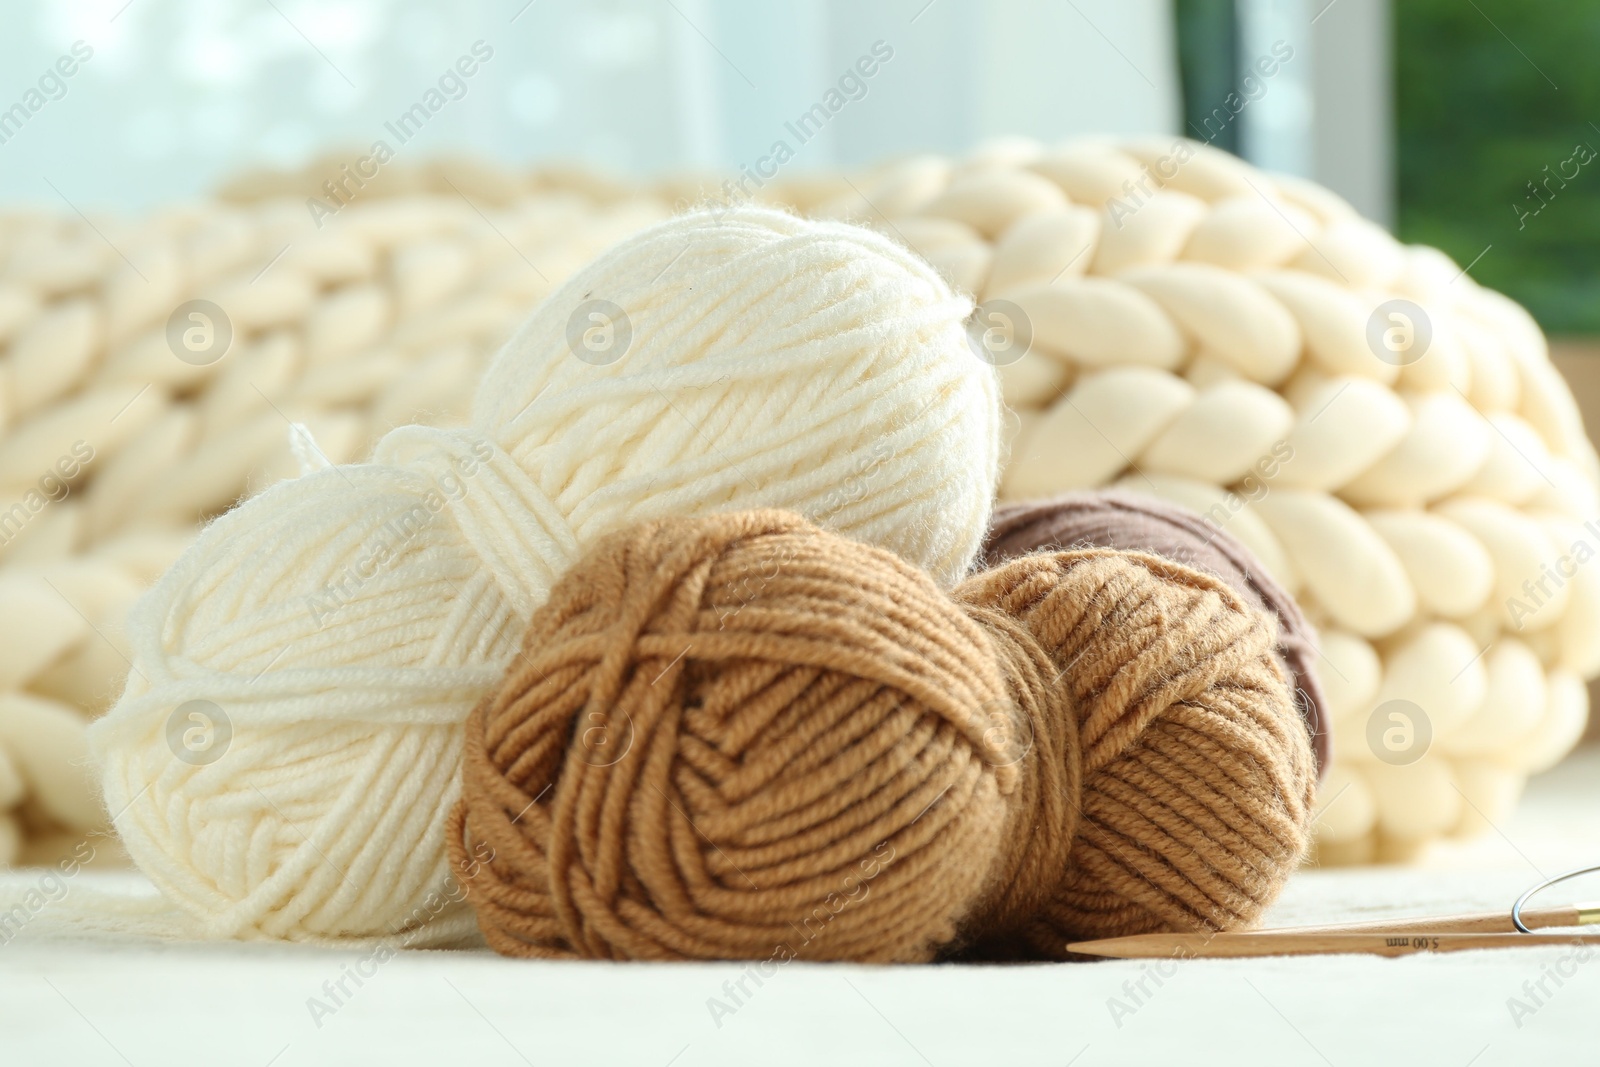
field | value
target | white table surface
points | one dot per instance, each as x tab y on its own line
96	1001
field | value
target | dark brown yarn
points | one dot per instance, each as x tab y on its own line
744	737
1133	522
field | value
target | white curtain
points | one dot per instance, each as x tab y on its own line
178	94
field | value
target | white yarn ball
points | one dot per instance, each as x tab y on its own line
773	362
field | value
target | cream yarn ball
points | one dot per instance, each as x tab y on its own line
117	448
338	627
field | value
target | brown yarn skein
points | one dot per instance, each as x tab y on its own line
1112	518
742	737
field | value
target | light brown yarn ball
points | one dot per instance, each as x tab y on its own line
1113	518
745	737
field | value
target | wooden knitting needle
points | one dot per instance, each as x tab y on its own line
1483	922
1294	943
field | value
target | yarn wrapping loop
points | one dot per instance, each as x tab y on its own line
514	529
745	737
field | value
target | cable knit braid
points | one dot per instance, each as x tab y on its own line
1199	332
1191	319
384	317
743	737
346	622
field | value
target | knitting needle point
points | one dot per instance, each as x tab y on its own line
1485	922
1291	943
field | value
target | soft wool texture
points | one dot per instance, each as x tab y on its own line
1124	520
1183	340
346	622
744	737
1224	338
384	317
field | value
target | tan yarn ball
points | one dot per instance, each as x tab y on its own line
742	736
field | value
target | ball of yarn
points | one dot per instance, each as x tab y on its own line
741	736
1118	519
342	625
1390	439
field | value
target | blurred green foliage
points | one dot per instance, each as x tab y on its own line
1477	122
1208	55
